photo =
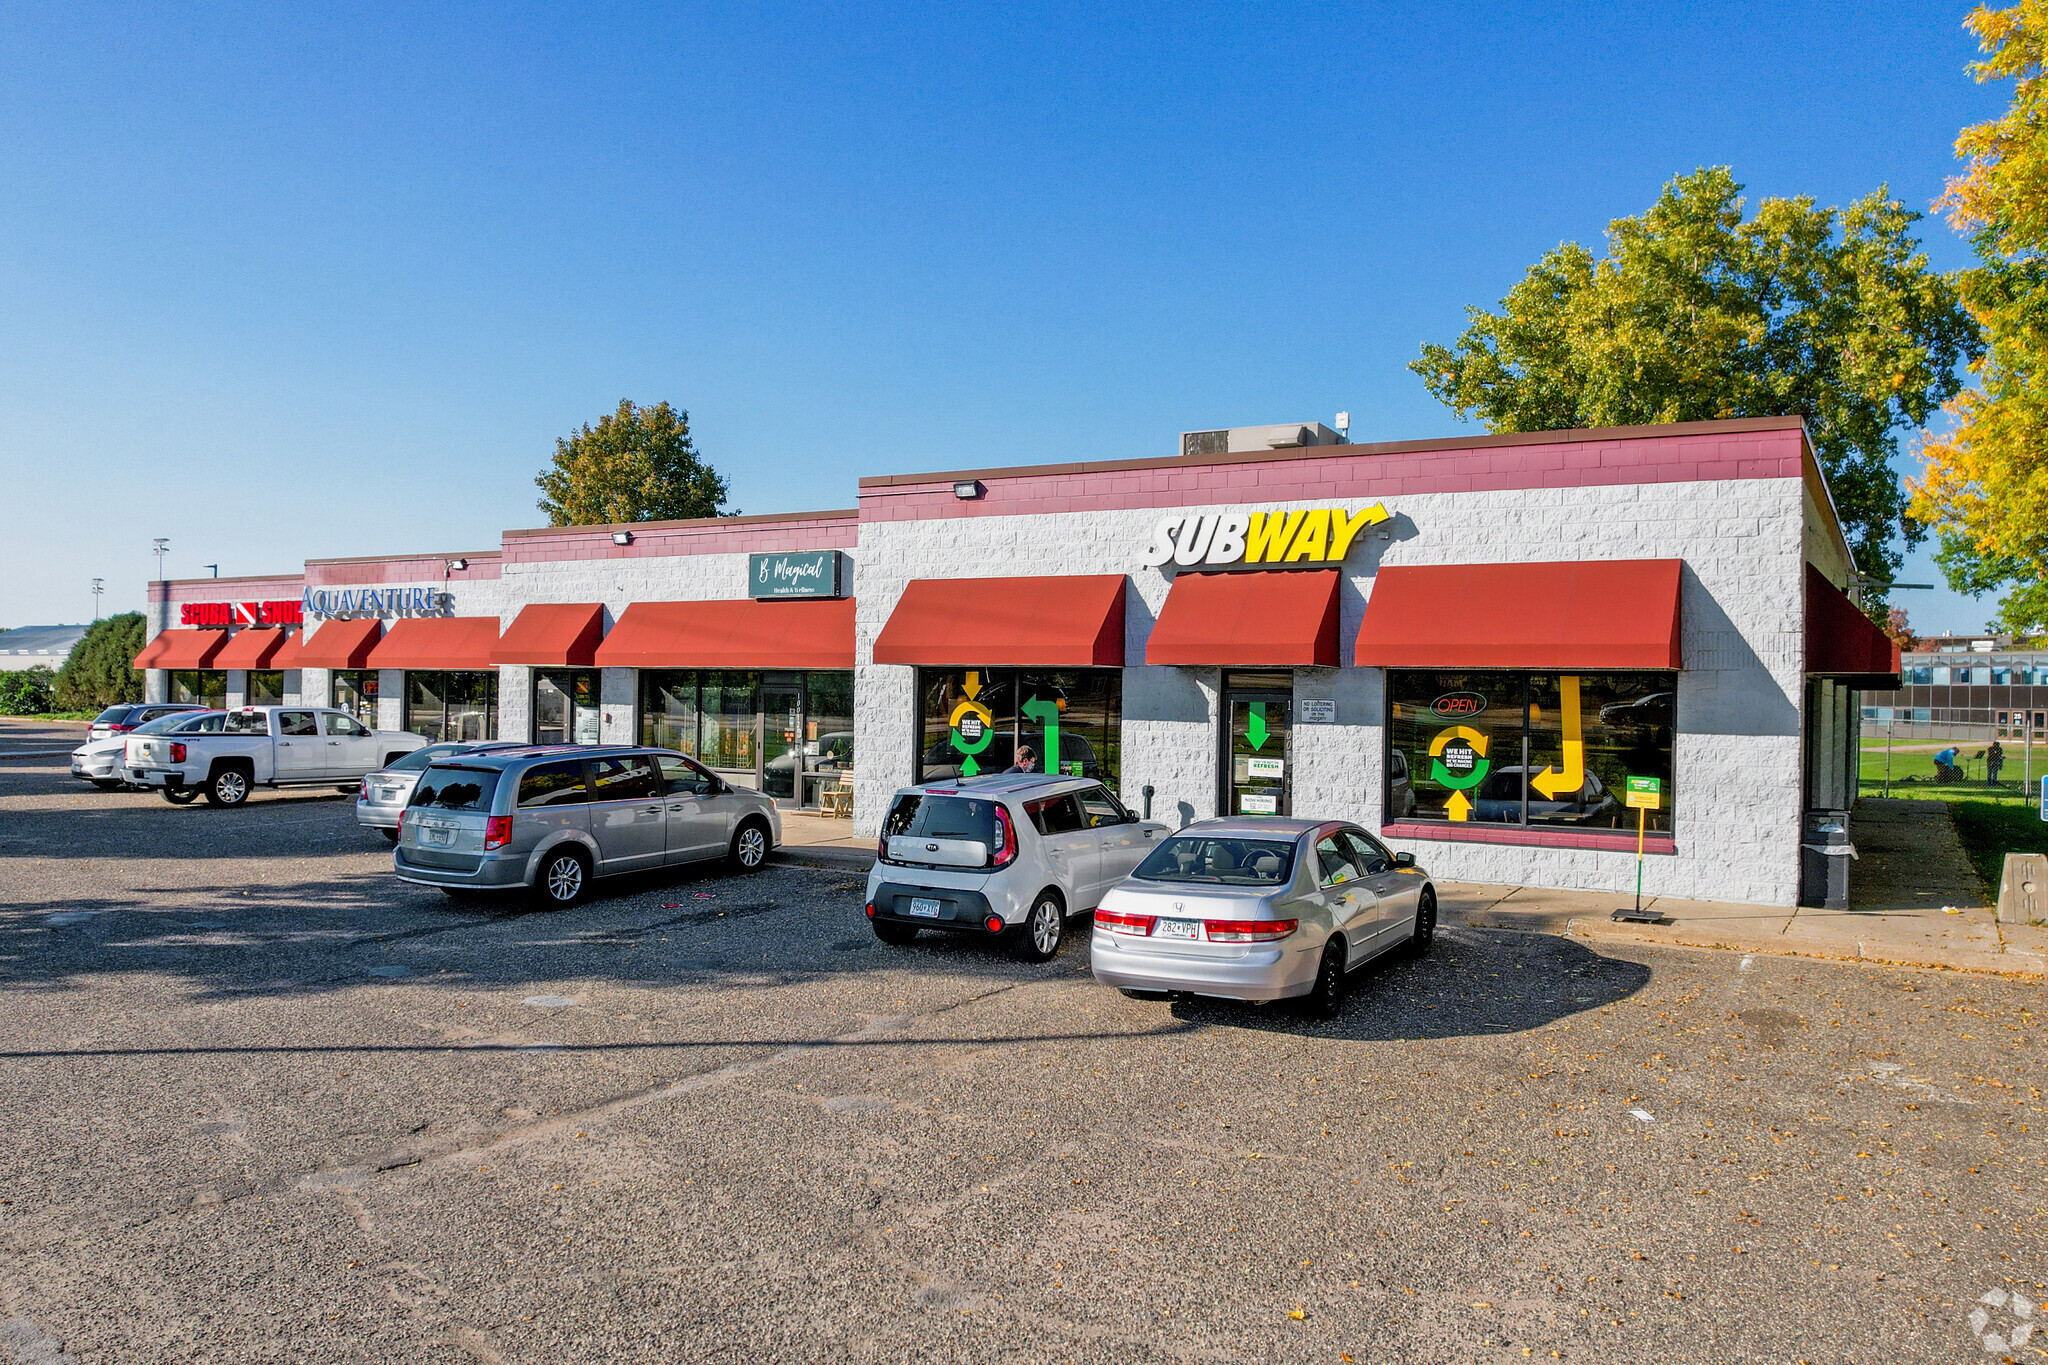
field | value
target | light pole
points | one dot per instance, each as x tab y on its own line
160	547
99	585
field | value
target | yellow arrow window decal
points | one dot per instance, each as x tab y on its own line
1550	781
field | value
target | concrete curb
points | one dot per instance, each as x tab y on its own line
2019	963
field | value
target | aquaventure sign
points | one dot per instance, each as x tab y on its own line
1321	536
328	603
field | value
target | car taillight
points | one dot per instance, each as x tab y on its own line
1005	851
882	848
1246	930
498	833
177	753
1117	922
363	789
119	729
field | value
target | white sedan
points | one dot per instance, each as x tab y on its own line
98	761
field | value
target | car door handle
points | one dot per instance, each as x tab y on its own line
650	810
677	810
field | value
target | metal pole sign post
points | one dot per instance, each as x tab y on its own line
1645	794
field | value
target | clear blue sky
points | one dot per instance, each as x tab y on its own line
282	283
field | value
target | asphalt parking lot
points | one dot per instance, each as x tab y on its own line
265	1103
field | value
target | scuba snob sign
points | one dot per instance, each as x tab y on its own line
1321	535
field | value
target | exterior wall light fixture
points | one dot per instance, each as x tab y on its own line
968	489
622	537
458	564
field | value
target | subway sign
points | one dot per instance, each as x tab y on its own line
1320	536
222	615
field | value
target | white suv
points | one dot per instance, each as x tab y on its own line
1022	851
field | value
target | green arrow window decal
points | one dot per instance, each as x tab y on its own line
1255	727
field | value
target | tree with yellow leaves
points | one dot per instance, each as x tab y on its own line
1985	488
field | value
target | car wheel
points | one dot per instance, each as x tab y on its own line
1425	922
749	847
1326	997
1044	930
107	786
390	835
181	796
228	787
893	934
564	879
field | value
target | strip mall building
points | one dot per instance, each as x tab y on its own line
1470	646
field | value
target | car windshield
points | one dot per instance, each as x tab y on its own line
420	758
924	816
113	715
1207	858
452	788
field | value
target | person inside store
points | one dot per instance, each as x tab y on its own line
1024	763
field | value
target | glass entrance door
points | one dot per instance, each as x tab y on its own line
1258	754
565	709
782	732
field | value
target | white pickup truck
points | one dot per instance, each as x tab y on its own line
264	746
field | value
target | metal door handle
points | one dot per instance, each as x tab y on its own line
677	810
650	810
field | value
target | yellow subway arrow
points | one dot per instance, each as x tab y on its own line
1464	732
1458	807
1550	781
972	687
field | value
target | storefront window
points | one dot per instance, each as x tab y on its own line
973	720
452	705
200	686
799	726
356	693
565	707
265	687
1529	748
725	736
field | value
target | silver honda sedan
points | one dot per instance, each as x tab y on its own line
1261	908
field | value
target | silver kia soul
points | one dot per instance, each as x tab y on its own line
1015	852
555	818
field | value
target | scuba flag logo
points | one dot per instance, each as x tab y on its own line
971	726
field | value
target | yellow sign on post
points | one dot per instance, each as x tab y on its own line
1645	794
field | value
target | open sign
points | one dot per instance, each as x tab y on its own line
1455	704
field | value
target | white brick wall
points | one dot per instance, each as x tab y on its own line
1737	763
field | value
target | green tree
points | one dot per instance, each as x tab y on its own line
26	692
636	464
1827	314
1985	485
100	671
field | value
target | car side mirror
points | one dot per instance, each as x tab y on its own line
1404	860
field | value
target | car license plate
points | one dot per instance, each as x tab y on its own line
441	837
924	908
1177	928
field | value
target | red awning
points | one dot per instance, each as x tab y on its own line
1612	613
1248	620
434	642
1073	621
736	633
340	644
561	634
182	649
252	648
1844	644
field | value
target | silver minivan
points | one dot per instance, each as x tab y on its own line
554	819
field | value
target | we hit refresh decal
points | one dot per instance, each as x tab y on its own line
1323	535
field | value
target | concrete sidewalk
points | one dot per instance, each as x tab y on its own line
1960	938
820	841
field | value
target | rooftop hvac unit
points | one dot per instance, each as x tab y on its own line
1284	436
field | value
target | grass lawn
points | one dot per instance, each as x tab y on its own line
1990	830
